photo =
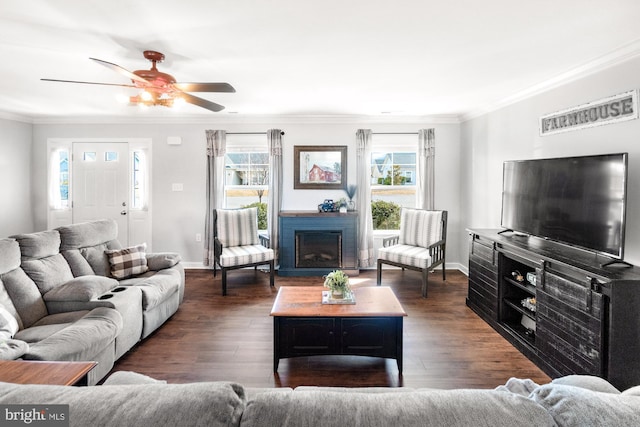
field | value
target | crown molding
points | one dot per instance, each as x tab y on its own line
15	117
251	119
623	54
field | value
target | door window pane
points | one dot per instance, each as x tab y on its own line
111	156
89	156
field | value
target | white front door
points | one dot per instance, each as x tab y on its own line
101	177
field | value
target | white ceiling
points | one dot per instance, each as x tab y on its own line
306	57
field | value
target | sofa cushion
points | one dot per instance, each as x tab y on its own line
49	325
25	297
47	272
420	408
12	349
633	391
242	255
9	255
237	227
577	406
7	305
420	227
87	234
197	404
128	262
156	286
130	377
39	245
8	324
161	260
83	288
589	382
415	256
82	340
98	259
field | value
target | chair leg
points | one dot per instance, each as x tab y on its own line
224	281
425	275
271	273
443	278
379	277
214	269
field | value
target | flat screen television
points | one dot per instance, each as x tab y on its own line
577	201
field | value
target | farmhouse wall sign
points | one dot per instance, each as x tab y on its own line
617	108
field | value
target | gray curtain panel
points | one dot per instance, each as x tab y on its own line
363	201
216	149
274	201
426	169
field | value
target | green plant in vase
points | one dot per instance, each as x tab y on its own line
338	282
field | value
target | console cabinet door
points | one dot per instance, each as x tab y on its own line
569	327
483	276
369	336
307	336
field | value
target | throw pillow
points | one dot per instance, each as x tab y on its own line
238	227
8	324
127	262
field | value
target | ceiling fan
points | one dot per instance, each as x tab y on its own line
158	88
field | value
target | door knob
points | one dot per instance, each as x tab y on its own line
123	212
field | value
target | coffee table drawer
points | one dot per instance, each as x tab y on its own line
307	336
369	336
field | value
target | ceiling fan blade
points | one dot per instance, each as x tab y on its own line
205	87
212	106
119	69
87	83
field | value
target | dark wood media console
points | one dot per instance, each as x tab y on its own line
585	319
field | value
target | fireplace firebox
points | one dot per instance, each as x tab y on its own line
318	249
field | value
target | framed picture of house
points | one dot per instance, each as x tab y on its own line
320	167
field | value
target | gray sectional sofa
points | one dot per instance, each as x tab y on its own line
130	399
58	300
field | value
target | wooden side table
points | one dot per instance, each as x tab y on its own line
40	372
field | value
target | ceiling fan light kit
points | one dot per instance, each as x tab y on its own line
158	88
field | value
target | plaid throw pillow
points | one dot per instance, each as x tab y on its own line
127	262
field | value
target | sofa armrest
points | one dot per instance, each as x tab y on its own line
12	349
80	289
161	260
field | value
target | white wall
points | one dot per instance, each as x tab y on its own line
512	133
178	216
16	214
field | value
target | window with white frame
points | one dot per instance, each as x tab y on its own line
138	174
59	181
393	178
246	177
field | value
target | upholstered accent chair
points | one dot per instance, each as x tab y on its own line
420	246
237	243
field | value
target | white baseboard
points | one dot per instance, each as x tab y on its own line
448	266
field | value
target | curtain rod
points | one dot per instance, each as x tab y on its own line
250	133
394	133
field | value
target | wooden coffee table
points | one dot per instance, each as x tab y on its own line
303	326
37	372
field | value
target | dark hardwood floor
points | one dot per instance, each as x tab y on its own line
216	338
